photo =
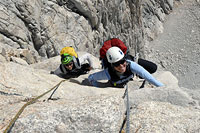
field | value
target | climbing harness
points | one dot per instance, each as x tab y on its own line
7	130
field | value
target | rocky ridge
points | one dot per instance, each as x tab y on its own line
32	31
35	30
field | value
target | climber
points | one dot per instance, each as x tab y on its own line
71	66
148	65
121	70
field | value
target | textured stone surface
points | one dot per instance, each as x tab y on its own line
45	26
33	30
161	117
89	114
80	107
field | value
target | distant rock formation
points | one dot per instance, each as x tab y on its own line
42	28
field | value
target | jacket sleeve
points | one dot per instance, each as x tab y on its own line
102	75
58	72
86	57
135	68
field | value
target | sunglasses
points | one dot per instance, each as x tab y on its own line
68	64
116	64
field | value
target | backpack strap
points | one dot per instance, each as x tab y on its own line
115	78
76	62
132	58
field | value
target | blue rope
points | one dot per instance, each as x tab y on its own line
128	111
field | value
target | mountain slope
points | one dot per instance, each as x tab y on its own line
177	49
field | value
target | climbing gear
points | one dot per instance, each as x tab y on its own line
66	58
108	44
114	54
76	62
120	81
50	98
68	54
111	43
75	72
127	113
7	130
68	50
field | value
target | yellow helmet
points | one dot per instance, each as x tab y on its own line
68	50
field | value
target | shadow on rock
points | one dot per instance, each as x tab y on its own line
86	82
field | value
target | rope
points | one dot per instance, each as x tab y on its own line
25	105
127	113
53	93
121	129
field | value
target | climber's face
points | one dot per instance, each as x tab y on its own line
69	66
120	66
